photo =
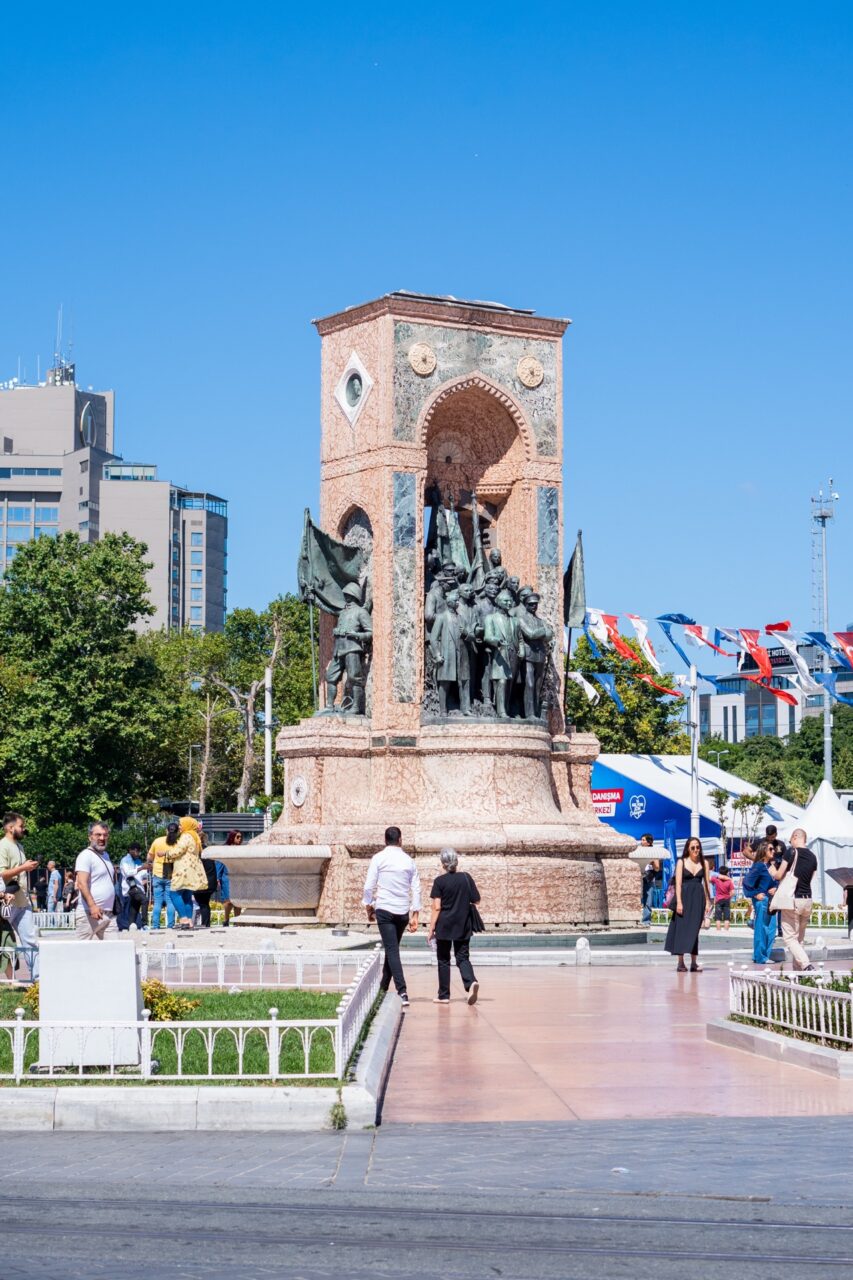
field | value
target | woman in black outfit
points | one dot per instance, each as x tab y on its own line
451	898
692	900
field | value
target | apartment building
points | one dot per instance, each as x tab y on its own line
59	471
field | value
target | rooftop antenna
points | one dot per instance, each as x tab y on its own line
823	510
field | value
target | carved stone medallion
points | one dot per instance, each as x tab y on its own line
298	791
422	359
530	371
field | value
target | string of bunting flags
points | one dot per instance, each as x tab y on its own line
602	632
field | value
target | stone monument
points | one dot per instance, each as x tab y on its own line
437	564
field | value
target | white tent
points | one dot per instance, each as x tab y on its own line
829	828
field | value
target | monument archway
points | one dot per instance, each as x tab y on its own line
477	442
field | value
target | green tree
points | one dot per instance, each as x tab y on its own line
651	722
80	711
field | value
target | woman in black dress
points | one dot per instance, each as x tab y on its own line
692	899
451	897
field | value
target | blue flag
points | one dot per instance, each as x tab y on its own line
821	640
608	683
828	680
668	864
665	624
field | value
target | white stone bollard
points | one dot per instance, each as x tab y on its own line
582	952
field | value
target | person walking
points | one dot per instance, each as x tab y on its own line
689	906
758	888
391	887
799	862
54	886
724	888
188	874
14	871
96	883
848	901
451	898
160	870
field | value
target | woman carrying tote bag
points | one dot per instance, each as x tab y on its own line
454	917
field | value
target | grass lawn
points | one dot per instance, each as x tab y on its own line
247	1006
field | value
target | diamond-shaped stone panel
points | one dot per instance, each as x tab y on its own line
344	391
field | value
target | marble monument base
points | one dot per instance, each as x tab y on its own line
513	801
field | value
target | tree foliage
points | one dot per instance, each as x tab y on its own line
102	721
651	722
791	769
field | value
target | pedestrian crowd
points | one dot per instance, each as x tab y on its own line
777	887
176	873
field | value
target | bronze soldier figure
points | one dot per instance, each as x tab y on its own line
353	636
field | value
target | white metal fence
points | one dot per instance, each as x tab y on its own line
785	1004
301	1049
821	917
54	919
322	970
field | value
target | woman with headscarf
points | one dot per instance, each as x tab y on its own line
188	875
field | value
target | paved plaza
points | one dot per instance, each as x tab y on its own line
588	1044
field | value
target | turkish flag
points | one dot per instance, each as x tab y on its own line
845	640
662	687
611	622
758	652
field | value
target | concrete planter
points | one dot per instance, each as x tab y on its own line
837	1063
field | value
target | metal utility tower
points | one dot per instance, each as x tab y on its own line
823	510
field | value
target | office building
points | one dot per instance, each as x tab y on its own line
59	471
742	709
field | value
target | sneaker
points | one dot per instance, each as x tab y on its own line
441	1000
473	992
404	1000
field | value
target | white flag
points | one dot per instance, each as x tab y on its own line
804	680
598	628
641	626
592	694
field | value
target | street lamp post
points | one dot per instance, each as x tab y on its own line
823	510
718	754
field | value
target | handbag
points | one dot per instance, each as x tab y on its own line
669	896
475	920
783	898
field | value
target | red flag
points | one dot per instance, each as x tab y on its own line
661	687
611	622
845	640
777	693
758	652
778	626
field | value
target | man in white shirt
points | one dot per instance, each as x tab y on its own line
14	869
96	884
391	888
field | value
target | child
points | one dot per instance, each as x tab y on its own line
725	887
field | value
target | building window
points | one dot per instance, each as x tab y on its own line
196	575
18	533
83	526
752	721
47	531
726	723
792	721
84	466
10	552
196	557
196	539
734	724
768	719
195	614
195	593
19	515
47	515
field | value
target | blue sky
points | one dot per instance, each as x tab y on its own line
194	183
